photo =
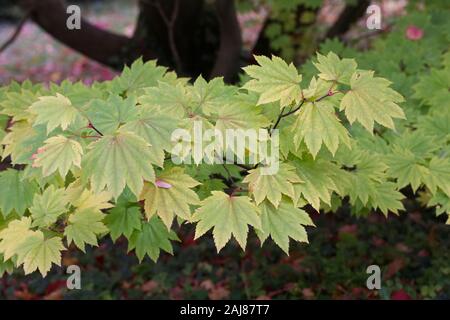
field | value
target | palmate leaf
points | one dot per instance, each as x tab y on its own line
240	114
138	76
275	80
283	223
227	215
173	100
48	206
156	127
439	175
84	226
386	198
16	104
36	252
334	69
22	141
210	97
407	168
30	248
317	181
274	186
108	115
123	220
370	100
13	235
16	193
54	112
151	239
171	195
117	160
58	154
316	124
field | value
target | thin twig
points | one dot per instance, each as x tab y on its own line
95	129
16	32
170	24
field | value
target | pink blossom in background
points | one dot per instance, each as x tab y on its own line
414	33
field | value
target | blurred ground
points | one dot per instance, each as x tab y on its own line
411	250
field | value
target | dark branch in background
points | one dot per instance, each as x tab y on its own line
103	46
16	32
170	24
350	15
228	58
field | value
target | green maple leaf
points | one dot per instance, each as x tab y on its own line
17	193
210	97
406	167
115	161
84	227
36	252
123	220
439	175
13	235
275	80
16	104
138	76
433	88
386	198
240	115
317	181
108	115
316	124
227	215
156	127
334	69
6	266
371	100
171	195
151	238
48	206
283	223
54	112
58	154
173	100
273	186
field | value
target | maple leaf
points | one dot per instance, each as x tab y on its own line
240	115
17	193
123	220
227	215
156	127
13	235
283	223
174	100
316	124
151	238
334	69
54	112
115	161
108	115
137	77
275	80
84	226
439	175
173	198
210	97
37	252
274	186
58	154
48	206
371	100
386	198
